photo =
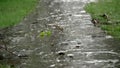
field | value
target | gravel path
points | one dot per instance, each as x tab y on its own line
74	43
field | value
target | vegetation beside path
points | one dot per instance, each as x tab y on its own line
107	13
13	11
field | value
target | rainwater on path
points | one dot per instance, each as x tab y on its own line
74	41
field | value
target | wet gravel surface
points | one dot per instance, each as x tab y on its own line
74	43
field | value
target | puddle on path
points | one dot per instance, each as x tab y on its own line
74	43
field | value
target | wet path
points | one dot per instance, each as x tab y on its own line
78	45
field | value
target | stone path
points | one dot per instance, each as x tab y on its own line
79	45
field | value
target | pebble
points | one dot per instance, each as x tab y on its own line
22	56
73	42
70	55
108	37
35	22
52	65
64	43
61	52
77	46
58	60
82	11
78	42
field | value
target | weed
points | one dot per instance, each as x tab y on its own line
108	14
46	33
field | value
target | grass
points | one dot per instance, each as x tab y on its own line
5	66
112	9
43	34
13	11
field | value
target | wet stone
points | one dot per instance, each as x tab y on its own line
17	39
108	37
79	43
23	56
83	12
69	14
35	22
98	36
73	42
52	66
94	36
61	52
77	46
64	43
70	55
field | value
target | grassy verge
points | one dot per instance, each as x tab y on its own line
13	11
112	10
5	66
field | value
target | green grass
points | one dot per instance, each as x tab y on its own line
112	9
43	34
13	11
5	66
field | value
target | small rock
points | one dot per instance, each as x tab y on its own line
78	42
64	43
77	46
22	56
52	65
23	50
38	31
73	42
95	21
108	37
41	53
24	63
82	11
58	60
70	55
61	53
35	22
110	62
70	15
21	32
52	44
